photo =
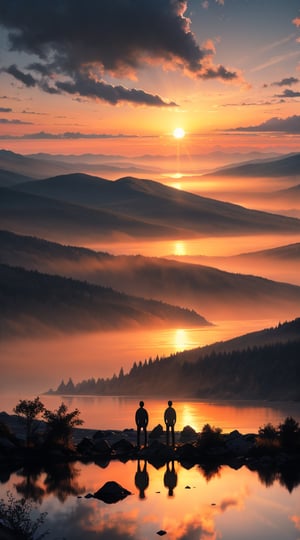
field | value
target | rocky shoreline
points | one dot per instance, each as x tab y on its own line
190	448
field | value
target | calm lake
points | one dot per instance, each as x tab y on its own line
188	504
117	412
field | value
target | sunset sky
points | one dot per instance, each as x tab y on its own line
118	76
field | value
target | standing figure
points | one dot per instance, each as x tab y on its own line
170	420
141	420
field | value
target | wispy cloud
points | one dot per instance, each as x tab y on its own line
25	78
288	93
276	60
14	121
34	112
41	135
287	81
290	125
263	103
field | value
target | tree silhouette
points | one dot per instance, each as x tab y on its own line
60	424
30	410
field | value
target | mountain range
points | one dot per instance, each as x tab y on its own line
36	304
84	206
54	219
214	293
40	166
280	166
43	165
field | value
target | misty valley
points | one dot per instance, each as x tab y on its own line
97	274
113	290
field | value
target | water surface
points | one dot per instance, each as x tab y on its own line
189	504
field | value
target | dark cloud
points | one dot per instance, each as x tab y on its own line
219	72
88	87
288	81
5	109
287	93
42	135
290	124
86	40
25	78
16	122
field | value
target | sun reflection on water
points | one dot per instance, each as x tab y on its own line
180	339
179	249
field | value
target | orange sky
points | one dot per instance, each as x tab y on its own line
119	78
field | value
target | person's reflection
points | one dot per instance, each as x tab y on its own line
170	478
141	478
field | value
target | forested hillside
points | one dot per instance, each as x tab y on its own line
32	302
261	372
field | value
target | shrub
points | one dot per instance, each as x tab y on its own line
268	431
188	433
30	410
60	424
209	436
16	516
289	433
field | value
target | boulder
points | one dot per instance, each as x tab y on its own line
7	445
187	453
100	434
156	432
102	447
123	446
158	453
111	492
86	446
238	444
188	434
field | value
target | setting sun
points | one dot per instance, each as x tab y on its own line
178	133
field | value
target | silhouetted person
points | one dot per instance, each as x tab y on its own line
170	478
170	421
141	479
141	420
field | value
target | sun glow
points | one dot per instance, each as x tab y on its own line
178	133
180	250
180	340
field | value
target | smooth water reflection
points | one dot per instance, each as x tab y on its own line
118	412
189	504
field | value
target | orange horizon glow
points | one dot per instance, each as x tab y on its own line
158	144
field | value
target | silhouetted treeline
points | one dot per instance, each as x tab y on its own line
267	372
